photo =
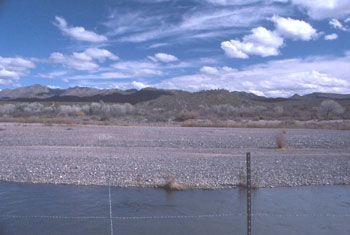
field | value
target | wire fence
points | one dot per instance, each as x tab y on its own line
59	217
108	176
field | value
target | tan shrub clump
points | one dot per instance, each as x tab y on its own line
281	139
171	185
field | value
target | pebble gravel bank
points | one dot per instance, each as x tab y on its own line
150	156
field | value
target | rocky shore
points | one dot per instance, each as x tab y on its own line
154	156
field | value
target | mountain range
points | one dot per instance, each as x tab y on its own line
42	93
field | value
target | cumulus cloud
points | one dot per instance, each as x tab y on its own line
86	60
95	53
16	63
332	36
6	76
301	76
338	25
138	85
53	87
209	70
12	68
294	29
322	9
78	33
162	57
261	42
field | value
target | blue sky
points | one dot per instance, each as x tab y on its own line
271	48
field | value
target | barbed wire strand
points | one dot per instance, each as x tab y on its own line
58	217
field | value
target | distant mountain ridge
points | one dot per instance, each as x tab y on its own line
37	93
319	95
40	91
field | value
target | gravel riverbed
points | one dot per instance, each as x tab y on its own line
149	156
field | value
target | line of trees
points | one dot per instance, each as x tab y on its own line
326	110
55	109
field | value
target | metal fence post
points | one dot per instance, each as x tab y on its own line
249	198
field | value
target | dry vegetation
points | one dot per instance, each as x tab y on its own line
171	185
281	139
326	114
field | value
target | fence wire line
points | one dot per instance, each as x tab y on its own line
58	217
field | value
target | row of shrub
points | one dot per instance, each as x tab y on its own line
326	110
54	109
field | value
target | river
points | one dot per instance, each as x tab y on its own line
65	209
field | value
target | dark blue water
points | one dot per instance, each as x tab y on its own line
52	209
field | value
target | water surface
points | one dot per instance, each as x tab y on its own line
60	209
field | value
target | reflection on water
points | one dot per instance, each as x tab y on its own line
52	209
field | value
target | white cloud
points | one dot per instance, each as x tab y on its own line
231	2
241	2
138	68
322	9
53	87
130	65
261	42
214	19
332	36
115	85
6	76
73	62
126	69
78	33
294	29
102	75
138	85
338	25
16	63
275	78
12	68
54	74
162	57
185	24
156	45
95	53
86	60
209	70
65	80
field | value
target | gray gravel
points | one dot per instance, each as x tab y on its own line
148	156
